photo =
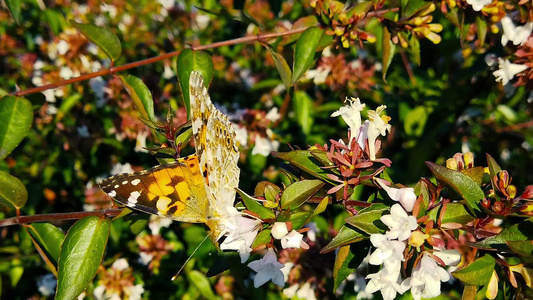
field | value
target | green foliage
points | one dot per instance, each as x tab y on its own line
103	37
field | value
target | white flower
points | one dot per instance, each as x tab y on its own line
451	257
389	253
279	230
46	284
406	196
135	292
478	5
242	232
120	264
292	240
286	270
507	70
62	47
378	126
241	135
121	168
263	146
318	75
168	73
267	268
306	292
202	21
516	34
156	223
387	282
400	223
140	144
313	230
145	258
291	291
351	114
273	115
111	9
66	73
426	278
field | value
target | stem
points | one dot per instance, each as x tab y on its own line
112	70
58	217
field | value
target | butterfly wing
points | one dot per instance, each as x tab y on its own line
215	146
174	190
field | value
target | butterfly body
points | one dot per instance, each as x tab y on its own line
199	188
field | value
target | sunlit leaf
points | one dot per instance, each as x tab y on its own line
297	193
81	254
462	184
187	62
102	37
199	280
368	220
49	237
303	108
306	161
478	272
345	236
304	52
14	8
12	191
254	206
388	50
141	96
16	115
283	68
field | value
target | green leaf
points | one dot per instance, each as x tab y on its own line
14	9
141	96
282	66
303	108
462	184
49	237
415	121
475	173
254	206
299	218
455	213
17	115
346	235
388	51
306	161
187	62
368	220
199	280
305	50
481	25
494	169
263	237
12	191
412	7
102	37
523	248
453	16
414	43
478	272
297	193
81	254
344	265
184	137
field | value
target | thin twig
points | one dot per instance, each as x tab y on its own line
59	217
112	70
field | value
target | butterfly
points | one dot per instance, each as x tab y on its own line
199	188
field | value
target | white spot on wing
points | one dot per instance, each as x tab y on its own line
124	182
135	182
117	186
112	194
132	199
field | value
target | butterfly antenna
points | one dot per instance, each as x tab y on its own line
190	256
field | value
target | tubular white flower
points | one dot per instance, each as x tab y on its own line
267	268
351	114
386	281
507	71
406	196
279	230
516	34
389	253
426	278
241	233
400	223
378	126
478	5
451	257
292	240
